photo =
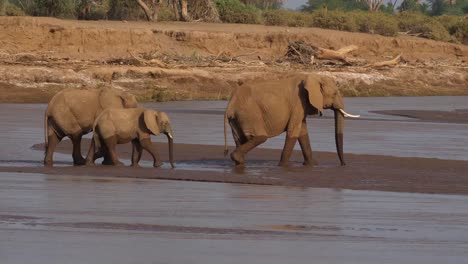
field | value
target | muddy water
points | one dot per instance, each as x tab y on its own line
65	219
84	219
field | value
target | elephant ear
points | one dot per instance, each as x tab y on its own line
128	100
110	98
313	86
151	121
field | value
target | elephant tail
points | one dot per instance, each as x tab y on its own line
226	150
97	141
46	129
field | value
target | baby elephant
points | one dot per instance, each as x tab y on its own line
118	126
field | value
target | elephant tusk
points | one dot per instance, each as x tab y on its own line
170	135
348	115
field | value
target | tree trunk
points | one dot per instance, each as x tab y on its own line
184	10
175	8
150	13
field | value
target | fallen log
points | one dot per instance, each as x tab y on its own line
327	54
388	63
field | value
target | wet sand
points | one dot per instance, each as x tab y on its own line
362	172
198	121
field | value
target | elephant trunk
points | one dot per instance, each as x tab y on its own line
339	124
170	141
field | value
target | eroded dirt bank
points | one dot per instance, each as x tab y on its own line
185	61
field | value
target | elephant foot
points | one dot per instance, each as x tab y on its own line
107	162
89	163
310	163
117	163
283	164
135	165
237	158
79	162
48	163
157	164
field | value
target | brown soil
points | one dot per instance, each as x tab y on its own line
362	172
184	61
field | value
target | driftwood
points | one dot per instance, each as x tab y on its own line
305	53
327	54
389	63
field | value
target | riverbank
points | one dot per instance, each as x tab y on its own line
195	61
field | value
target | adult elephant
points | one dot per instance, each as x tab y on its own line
266	109
72	112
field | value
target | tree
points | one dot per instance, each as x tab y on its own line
151	8
63	8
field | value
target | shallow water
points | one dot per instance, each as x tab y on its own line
84	219
68	219
202	123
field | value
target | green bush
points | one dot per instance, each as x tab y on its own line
460	31
9	9
426	26
234	11
125	10
281	17
449	22
3	4
338	20
12	10
166	13
386	26
54	8
457	26
375	22
96	13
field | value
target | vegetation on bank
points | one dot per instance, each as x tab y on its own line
444	20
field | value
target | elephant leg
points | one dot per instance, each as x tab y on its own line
137	150
77	158
236	138
93	155
238	155
304	142
287	150
52	141
110	144
148	146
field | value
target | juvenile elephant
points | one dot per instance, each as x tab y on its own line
120	126
72	112
266	109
